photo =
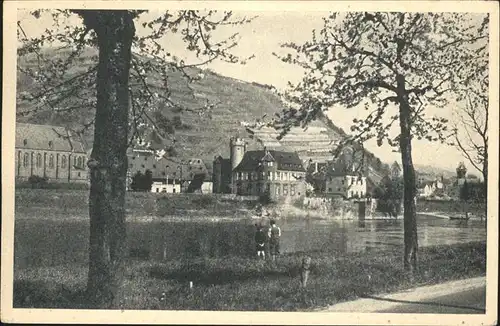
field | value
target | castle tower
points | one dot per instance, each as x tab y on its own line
237	149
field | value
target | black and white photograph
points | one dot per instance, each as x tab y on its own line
243	162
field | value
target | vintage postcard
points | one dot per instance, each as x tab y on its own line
250	162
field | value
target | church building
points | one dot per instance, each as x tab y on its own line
49	152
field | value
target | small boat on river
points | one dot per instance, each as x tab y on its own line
460	217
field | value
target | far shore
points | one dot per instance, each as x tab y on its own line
48	213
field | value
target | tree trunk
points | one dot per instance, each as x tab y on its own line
108	163
485	176
410	191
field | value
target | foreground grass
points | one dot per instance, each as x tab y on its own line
235	283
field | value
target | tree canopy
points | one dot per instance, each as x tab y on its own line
356	59
395	65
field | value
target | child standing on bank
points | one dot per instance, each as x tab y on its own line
260	241
274	235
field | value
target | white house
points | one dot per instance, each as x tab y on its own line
166	186
207	187
347	185
430	188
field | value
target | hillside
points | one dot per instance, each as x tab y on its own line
431	172
237	102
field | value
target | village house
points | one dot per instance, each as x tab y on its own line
279	174
170	176
342	178
344	184
50	152
430	188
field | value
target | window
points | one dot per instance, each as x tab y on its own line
163	173
130	165
278	186
329	189
154	166
74	160
133	157
142	165
145	158
26	160
343	182
63	161
239	176
38	160
157	189
285	189
292	190
51	144
51	161
249	188
79	174
361	180
80	162
268	175
173	190
198	161
25	142
268	187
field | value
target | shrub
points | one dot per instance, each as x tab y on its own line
142	182
37	182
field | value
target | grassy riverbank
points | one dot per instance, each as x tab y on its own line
235	283
74	204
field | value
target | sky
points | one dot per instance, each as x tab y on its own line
263	36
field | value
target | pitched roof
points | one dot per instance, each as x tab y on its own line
332	172
287	161
45	137
225	162
395	165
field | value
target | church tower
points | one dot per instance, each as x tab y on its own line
461	171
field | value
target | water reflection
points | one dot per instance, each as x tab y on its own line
46	243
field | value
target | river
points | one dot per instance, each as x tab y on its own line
53	243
